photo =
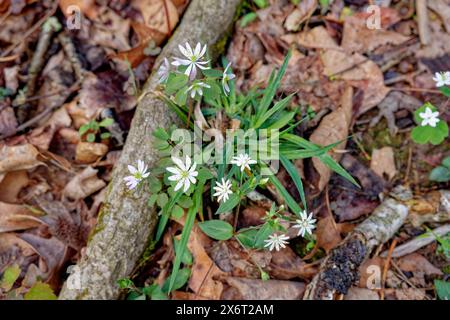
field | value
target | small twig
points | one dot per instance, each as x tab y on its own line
422	21
416	90
419	242
69	49
37	118
31	30
386	268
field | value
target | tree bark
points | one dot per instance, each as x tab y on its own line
125	225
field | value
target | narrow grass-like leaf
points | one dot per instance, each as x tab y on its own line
336	167
166	214
292	170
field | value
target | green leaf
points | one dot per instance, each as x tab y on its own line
217	229
185	202
152	200
446	162
445	91
181	96
248	18
161	134
336	167
204	174
424	134
292	204
135	295
83	129
442	289
228	205
189	223
166	214
162	200
274	83
181	279
247	237
282	121
105	135
212	73
155	292
40	291
263	233
10	276
177	212
154	184
186	257
278	106
175	82
440	174
292	170
90	137
125	283
261	3
106	122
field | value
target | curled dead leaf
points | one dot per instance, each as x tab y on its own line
300	14
333	128
88	152
15	217
21	157
83	184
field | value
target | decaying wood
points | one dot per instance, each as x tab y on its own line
339	270
422	21
125	224
419	242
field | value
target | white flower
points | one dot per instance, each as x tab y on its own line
226	77
196	88
164	71
442	78
137	174
243	161
276	241
223	190
193	60
305	224
429	117
184	174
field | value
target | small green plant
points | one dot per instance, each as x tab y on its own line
5	92
430	128
90	130
442	172
442	289
229	164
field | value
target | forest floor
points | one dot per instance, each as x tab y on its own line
68	94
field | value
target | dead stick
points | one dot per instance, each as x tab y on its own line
422	21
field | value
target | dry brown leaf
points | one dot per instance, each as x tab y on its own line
300	14
328	234
11	78
88	152
256	289
8	121
410	294
160	15
355	293
383	162
286	265
15	217
415	262
204	270
84	184
12	184
358	38
110	30
21	157
333	128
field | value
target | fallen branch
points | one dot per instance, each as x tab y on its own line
339	270
125	225
422	21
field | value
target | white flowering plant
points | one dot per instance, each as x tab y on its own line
430	127
223	174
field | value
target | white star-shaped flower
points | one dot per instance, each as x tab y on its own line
227	77
137	174
276	241
429	117
223	190
442	78
183	173
305	224
243	161
164	71
197	88
193	60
